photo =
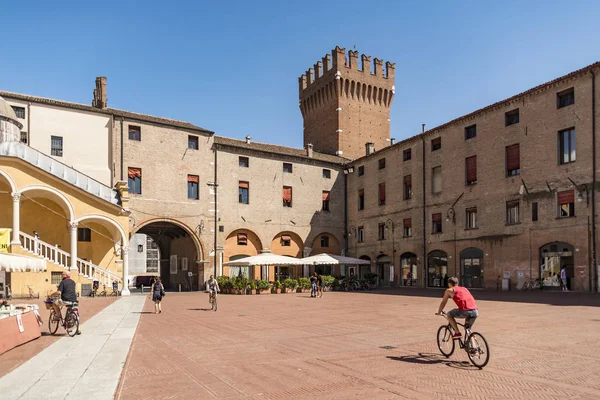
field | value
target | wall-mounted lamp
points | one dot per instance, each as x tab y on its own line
140	248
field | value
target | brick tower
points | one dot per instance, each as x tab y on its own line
344	107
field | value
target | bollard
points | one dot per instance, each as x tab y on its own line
180	288
142	288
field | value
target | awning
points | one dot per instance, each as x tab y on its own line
265	259
19	263
332	259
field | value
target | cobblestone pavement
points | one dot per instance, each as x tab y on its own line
88	307
361	345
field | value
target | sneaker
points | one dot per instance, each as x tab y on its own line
457	335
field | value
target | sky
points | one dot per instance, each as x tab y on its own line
232	67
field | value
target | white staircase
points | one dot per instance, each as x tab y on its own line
63	259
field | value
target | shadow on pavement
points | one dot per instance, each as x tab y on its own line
143	312
199	309
431	359
555	298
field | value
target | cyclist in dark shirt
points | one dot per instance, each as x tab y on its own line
66	293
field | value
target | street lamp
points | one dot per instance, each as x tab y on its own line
451	216
579	192
390	224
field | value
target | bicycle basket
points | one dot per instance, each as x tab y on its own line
49	304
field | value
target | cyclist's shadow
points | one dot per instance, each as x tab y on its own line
429	358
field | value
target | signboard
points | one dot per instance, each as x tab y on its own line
4	240
520	274
173	264
184	264
507	274
190	274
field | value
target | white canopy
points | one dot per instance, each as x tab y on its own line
332	259
19	263
265	259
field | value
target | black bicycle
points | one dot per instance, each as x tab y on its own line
70	322
473	343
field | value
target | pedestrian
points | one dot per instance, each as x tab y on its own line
313	285
319	285
157	293
446	281
563	279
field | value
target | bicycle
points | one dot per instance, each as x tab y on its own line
103	292
533	284
474	343
31	294
70	322
212	299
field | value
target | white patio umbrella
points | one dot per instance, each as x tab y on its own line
264	259
332	259
19	263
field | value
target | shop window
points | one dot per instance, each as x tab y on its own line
436	220
84	235
407	225
193	142
192	186
511	117
287	196
135	133
565	98
244	162
566	204
566	143
513	160
134	180
326	200
512	212
324	241
244	192
470	132
361	199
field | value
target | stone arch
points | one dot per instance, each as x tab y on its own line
295	247
110	221
330	245
252	247
554	256
11	182
65	202
190	232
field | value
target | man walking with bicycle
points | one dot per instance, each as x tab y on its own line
467	308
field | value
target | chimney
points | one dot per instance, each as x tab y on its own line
370	147
248	139
100	100
309	150
392	141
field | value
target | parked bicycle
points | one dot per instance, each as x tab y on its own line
103	292
70	321
533	284
473	343
31	294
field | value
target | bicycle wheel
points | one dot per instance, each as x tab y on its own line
215	303
52	324
526	286
477	350
445	341
72	324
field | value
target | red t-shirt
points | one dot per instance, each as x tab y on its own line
464	299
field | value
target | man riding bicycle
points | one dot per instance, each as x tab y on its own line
212	286
467	308
66	294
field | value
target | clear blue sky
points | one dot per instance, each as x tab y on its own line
232	66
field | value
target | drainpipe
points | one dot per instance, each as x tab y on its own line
216	214
346	209
594	266
122	149
29	124
424	212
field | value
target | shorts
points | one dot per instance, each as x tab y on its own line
469	315
61	302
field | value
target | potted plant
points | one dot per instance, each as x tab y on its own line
371	278
290	285
224	283
304	285
328	281
277	287
264	287
252	287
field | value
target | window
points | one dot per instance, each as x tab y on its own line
152	255
513	160
406	155
327	173
361	199
512	212
407	225
436	144
324	241
534	211
471	170
436	180
381	163
192	186
567	146
471	218
325	200
134	180
287	167
135	133
382	194
242	239
566	204
286	240
470	132
24	137
381	232
192	142
19	111
84	235
436	220
56	278
56	146
361	234
511	117
244	162
361	170
287	196
407	191
244	192
563	99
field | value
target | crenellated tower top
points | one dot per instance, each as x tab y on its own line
345	101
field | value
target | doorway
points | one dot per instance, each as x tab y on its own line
471	268
554	256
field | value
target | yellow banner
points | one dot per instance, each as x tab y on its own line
4	240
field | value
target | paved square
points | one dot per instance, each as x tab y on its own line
361	345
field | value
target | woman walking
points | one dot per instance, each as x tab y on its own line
158	291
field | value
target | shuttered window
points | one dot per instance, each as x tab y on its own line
325	200
361	199
244	192
407	224
436	180
471	170
566	204
513	160
192	184
287	196
134	180
436	220
242	239
407	190
382	194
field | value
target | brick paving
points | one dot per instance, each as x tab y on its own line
88	307
361	345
